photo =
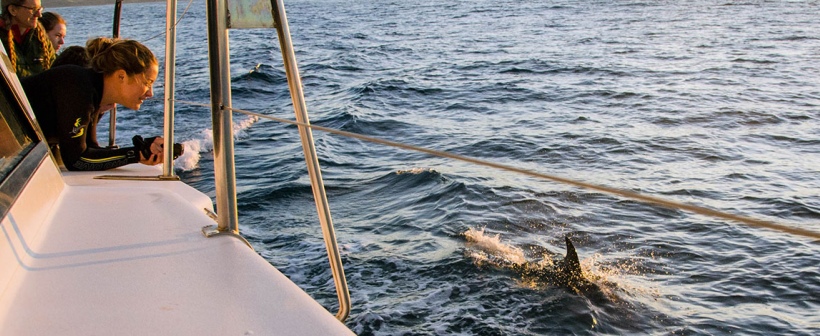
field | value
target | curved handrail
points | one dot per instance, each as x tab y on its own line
312	160
224	168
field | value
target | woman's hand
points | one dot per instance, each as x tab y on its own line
156	153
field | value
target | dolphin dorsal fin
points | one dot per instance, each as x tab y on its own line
571	263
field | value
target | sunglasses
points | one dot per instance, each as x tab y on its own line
32	9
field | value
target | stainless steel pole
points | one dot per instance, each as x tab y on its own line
170	63
312	160
112	115
220	75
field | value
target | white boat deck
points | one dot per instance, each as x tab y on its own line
129	258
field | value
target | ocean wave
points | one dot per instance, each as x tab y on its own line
796	38
203	143
725	118
350	122
398	87
262	73
755	61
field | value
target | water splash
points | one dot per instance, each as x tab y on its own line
490	249
415	171
204	143
536	272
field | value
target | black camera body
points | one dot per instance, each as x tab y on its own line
144	146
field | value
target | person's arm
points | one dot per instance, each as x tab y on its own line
75	116
91	140
103	158
77	156
91	137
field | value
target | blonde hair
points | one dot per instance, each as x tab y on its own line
8	39
109	55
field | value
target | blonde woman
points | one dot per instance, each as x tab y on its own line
66	101
24	38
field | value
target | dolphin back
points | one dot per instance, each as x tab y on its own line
572	266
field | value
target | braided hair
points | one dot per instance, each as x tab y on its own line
7	37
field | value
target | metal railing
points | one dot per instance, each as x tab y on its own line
170	66
319	195
168	106
112	115
224	168
222	123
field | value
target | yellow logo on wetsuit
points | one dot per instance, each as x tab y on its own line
78	130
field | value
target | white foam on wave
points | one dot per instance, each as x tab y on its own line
415	171
204	143
489	248
611	277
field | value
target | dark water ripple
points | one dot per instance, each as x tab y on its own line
706	102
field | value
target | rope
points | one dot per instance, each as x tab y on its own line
175	23
624	193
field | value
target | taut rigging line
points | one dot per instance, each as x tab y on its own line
624	193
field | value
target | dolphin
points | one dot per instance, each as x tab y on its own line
565	273
570	267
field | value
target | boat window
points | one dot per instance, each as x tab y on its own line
16	134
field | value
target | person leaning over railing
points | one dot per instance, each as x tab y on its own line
65	100
24	38
55	28
76	55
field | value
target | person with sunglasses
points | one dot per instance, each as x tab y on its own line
24	38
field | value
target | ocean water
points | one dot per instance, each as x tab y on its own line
713	103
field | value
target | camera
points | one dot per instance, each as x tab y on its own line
144	146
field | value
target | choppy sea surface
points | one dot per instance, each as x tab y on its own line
713	103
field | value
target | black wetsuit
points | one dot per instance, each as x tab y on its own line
65	100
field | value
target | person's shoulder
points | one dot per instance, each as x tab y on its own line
64	75
67	70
